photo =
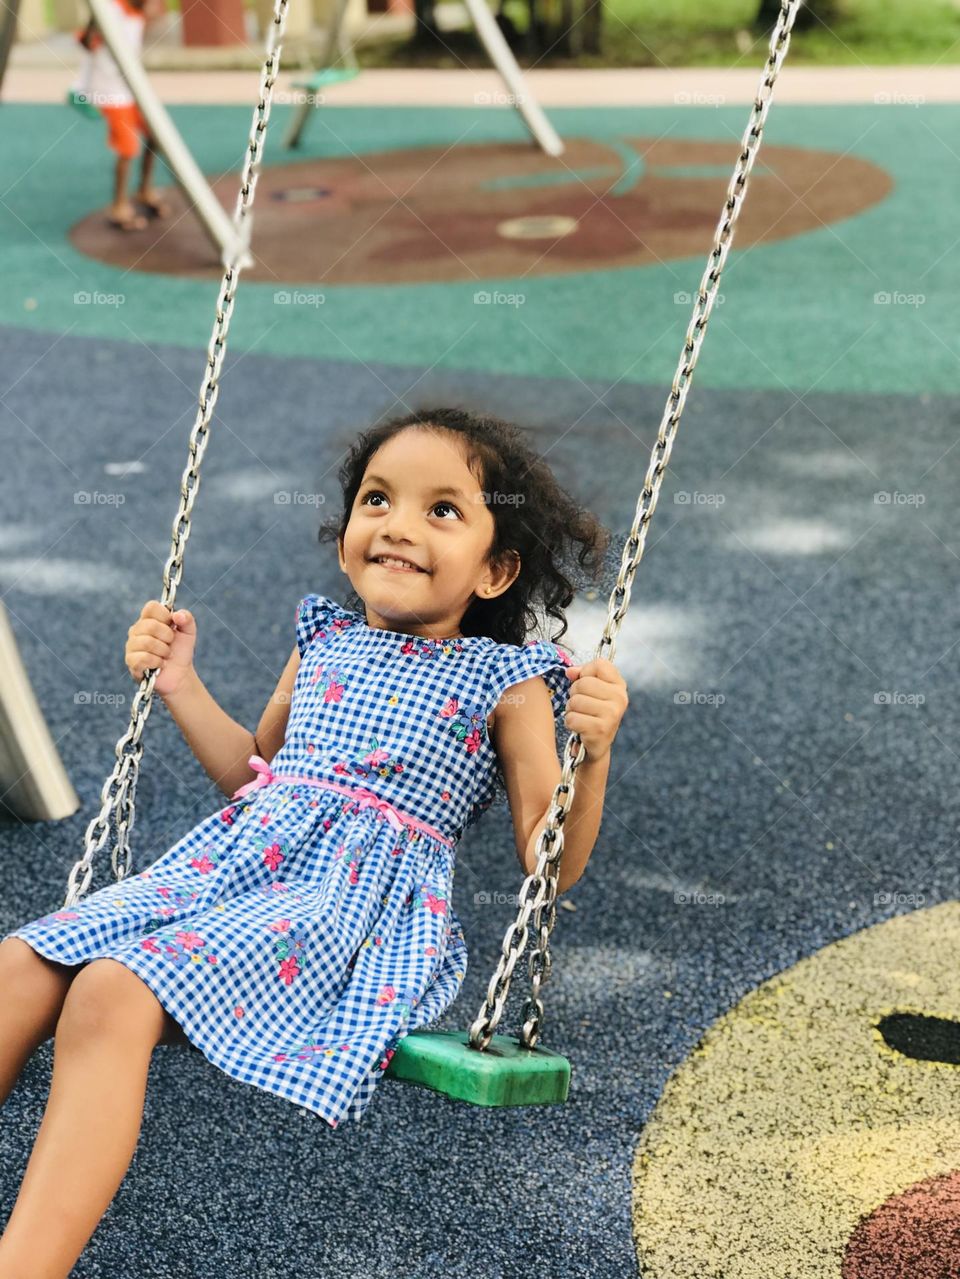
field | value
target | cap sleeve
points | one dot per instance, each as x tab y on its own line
513	663
315	616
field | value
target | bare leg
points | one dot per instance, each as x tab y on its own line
147	194
122	210
105	1038
32	991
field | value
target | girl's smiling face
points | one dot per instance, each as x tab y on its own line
419	502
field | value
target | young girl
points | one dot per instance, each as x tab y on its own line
295	936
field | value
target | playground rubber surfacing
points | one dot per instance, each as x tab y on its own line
764	1059
439	213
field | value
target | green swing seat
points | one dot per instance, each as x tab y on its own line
503	1074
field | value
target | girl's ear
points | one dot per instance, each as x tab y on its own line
509	565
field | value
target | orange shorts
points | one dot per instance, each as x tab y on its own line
125	126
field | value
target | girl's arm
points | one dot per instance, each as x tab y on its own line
222	745
525	743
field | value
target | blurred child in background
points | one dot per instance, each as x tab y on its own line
101	84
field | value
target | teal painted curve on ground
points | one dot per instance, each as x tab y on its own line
632	169
798	313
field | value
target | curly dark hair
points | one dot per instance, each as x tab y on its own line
536	518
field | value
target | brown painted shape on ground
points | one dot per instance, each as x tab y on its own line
913	1235
422	215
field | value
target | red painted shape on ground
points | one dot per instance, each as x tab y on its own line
913	1235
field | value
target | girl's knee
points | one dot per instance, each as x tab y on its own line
20	962
107	999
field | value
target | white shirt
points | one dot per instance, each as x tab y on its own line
100	79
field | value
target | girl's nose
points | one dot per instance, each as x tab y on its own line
399	527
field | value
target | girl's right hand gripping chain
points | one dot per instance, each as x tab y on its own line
161	638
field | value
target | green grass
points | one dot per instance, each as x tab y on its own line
682	33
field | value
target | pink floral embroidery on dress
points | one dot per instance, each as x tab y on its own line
567	661
304	1051
354	863
437	905
181	945
60	914
290	947
427	647
375	763
179	900
337	625
334	690
467	727
208	860
274	853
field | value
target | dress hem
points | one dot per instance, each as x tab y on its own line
173	1012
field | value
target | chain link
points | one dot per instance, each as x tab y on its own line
119	790
539	892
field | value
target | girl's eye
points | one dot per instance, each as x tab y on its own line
448	505
436	506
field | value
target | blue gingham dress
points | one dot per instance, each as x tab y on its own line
297	937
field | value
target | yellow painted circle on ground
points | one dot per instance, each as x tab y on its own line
792	1119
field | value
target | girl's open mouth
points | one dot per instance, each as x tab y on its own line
397	567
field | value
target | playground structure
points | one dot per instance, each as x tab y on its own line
33	782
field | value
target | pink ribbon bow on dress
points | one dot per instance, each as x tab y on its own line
265	775
367	799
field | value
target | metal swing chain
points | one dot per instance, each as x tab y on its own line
539	891
119	790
